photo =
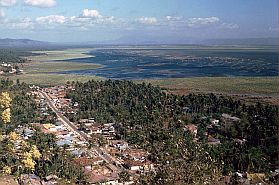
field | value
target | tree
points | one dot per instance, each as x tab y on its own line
124	176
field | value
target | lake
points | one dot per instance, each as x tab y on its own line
150	63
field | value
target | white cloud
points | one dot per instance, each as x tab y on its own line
229	25
25	23
87	19
171	18
91	14
148	20
7	2
41	3
51	19
2	14
192	22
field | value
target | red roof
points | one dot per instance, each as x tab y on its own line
83	161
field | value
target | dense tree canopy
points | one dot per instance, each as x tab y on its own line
150	118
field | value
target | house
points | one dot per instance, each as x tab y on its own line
135	154
91	120
230	118
119	144
132	165
26	179
88	163
50	127
51	179
193	129
108	131
116	182
215	121
95	128
100	174
83	121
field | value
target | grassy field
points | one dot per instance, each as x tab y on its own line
47	67
51	79
230	85
39	70
251	89
60	54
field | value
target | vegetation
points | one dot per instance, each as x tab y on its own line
154	120
60	54
45	79
41	71
12	56
48	67
265	86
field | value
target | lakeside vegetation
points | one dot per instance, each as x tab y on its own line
52	67
267	86
45	79
252	89
51	55
40	66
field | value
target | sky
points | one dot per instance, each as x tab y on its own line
138	20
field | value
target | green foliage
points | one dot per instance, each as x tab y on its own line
149	118
12	56
124	176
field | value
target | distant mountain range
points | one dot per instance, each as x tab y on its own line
246	41
27	43
18	43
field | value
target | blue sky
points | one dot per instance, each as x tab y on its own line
103	20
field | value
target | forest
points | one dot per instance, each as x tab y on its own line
13	56
152	119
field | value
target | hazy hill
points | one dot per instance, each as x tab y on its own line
246	41
18	43
150	40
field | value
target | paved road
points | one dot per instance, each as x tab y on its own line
64	120
81	135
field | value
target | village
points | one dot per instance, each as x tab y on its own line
102	162
104	158
9	69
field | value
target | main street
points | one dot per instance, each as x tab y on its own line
81	135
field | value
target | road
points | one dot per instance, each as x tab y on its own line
81	135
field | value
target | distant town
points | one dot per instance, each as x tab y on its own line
10	69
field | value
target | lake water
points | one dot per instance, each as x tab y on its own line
173	63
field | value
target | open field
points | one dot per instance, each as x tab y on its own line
60	54
40	69
249	88
51	79
230	85
55	66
